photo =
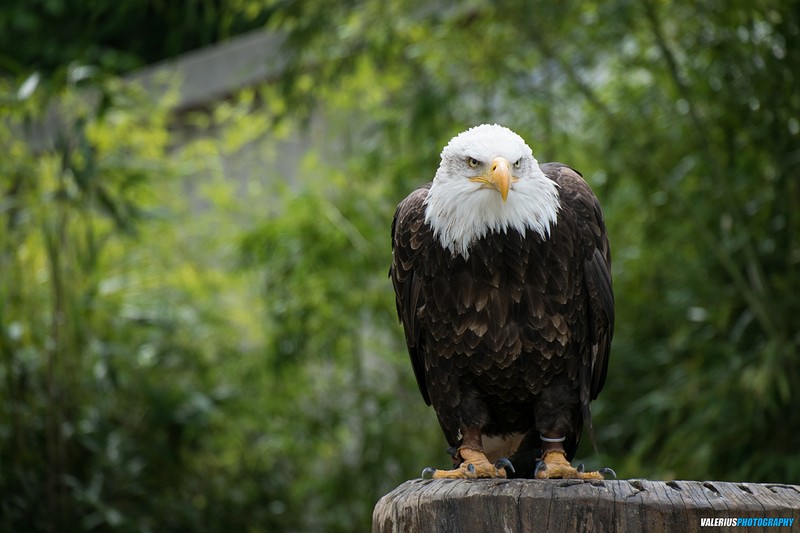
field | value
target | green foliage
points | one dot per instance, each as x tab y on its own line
108	377
344	407
187	345
685	120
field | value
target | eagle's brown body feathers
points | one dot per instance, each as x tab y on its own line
515	338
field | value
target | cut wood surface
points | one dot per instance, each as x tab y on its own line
516	505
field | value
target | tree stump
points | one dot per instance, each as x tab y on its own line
517	505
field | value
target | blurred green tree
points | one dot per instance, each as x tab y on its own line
684	118
109	382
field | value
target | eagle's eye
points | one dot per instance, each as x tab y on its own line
472	162
518	163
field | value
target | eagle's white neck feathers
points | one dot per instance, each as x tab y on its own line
461	211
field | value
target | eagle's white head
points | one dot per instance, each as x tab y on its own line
488	182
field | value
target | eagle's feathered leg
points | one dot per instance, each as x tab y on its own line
473	461
557	414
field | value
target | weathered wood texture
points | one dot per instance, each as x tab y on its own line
572	505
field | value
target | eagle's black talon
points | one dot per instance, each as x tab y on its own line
580	467
608	472
540	467
471	468
427	472
505	462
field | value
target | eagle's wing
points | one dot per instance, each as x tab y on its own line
409	232
576	195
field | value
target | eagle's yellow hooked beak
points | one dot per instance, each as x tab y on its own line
500	176
497	176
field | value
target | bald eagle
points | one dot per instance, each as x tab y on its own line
501	271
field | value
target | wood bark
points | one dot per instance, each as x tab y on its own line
501	505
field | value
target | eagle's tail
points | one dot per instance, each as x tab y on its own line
587	419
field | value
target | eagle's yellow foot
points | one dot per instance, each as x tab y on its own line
554	464
474	465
